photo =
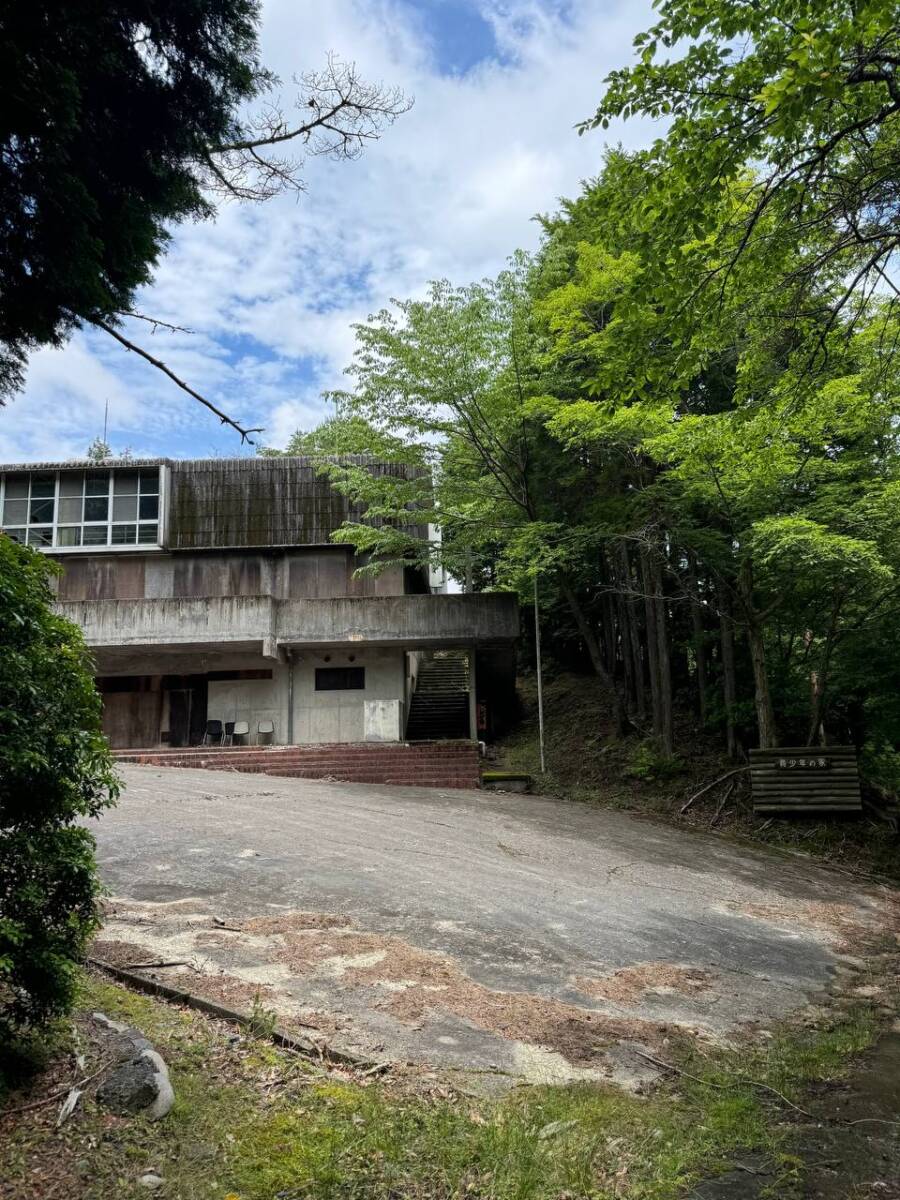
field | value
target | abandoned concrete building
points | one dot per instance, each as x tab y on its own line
210	591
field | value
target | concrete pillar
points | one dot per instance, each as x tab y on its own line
473	697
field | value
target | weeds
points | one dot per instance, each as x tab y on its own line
256	1122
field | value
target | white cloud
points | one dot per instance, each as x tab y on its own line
272	291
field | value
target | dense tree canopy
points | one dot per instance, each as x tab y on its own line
122	119
799	100
709	509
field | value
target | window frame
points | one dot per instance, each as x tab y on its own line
23	530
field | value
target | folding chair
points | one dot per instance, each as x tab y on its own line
214	733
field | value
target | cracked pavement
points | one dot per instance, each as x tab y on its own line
470	930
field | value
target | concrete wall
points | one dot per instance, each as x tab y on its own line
314	573
327	716
251	700
373	713
261	623
340	716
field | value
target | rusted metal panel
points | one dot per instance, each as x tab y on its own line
113	578
805	779
258	502
131	719
232	575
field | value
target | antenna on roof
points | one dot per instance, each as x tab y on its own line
105	417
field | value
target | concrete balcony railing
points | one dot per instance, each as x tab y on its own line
262	622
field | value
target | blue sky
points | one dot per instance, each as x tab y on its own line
271	292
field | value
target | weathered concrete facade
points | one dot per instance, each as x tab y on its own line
211	591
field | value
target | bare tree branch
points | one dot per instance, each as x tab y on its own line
161	366
154	321
340	112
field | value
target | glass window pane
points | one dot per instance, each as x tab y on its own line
71	483
43	485
150	482
149	508
17	535
125	508
94	535
41	510
124	535
40	537
147	535
97	483
15	512
69	509
68	535
17	487
125	483
96	508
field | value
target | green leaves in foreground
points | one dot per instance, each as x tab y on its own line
55	770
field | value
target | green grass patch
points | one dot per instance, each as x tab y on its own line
255	1122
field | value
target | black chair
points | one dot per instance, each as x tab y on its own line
228	735
214	733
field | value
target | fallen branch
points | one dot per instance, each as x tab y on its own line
280	1037
722	804
161	366
696	796
147	966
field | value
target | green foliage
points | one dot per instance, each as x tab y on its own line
679	415
258	1122
109	118
262	1020
647	761
808	94
55	770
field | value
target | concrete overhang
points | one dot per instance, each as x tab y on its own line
265	625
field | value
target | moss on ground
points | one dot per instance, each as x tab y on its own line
586	763
255	1122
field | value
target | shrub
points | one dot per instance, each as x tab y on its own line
647	762
55	770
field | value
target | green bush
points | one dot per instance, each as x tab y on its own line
647	761
55	770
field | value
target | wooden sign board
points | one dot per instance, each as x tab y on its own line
805	779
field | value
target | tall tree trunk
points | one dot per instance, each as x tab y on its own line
651	642
765	713
729	680
700	648
627	662
664	665
620	716
818	682
632	625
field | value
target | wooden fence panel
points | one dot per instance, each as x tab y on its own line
805	779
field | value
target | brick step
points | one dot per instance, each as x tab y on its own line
410	759
444	749
448	764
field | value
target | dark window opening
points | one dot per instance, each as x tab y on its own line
340	679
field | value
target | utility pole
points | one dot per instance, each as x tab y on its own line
540	678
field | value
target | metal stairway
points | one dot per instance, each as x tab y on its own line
440	704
